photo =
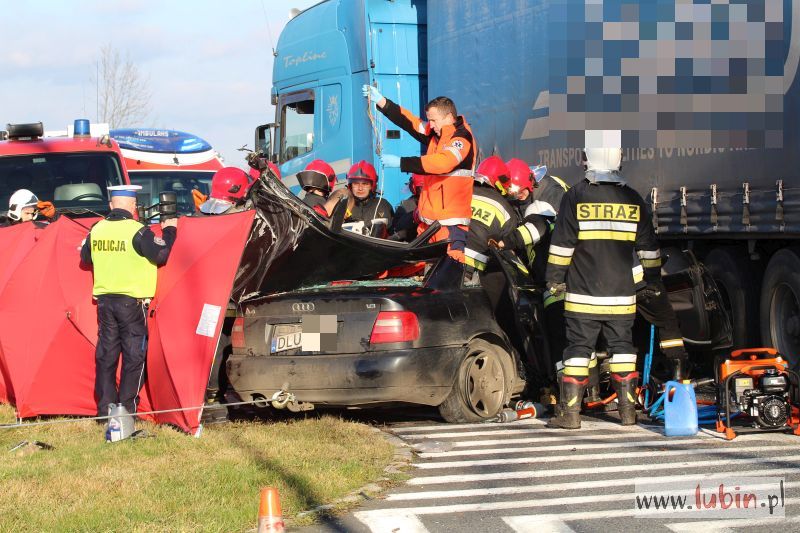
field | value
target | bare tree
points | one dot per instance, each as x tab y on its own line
123	92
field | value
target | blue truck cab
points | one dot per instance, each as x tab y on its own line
323	57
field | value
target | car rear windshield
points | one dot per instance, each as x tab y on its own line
374	283
71	181
177	181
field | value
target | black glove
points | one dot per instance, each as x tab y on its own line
652	290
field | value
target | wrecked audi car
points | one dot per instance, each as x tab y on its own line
315	326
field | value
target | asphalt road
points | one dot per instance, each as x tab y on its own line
522	477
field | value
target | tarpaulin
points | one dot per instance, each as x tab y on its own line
15	242
48	319
48	324
186	315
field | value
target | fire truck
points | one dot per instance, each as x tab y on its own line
73	172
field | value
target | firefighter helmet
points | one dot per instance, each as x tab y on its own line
317	175
520	175
228	188
363	171
20	200
416	183
494	172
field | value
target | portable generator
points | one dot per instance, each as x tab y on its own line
757	388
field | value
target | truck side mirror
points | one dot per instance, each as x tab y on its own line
264	140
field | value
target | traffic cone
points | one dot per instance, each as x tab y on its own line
269	512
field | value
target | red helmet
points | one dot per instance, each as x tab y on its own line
228	188
253	173
520	174
317	175
363	171
416	183
492	171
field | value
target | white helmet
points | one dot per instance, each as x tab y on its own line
603	150
19	200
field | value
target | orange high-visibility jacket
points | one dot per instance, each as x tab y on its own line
448	166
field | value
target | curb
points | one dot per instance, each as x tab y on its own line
402	458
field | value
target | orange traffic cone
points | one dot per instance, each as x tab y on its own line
269	512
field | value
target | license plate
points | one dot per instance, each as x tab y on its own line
286	337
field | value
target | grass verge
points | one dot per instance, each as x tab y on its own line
174	482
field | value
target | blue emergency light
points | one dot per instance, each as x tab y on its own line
158	140
81	127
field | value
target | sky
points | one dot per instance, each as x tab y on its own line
209	62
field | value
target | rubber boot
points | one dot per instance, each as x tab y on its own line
593	392
625	387
568	413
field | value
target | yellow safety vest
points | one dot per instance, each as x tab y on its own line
118	269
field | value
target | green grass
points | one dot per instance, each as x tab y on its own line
175	482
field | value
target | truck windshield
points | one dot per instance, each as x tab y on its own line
298	129
71	181
180	182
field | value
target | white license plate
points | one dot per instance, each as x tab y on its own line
283	340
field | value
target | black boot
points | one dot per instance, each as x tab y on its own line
593	392
625	387
568	413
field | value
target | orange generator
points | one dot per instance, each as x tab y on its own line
758	389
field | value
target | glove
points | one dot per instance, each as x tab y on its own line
47	209
652	290
372	93
556	289
390	161
198	198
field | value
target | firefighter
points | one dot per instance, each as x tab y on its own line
602	222
252	175
404	224
447	165
367	213
229	188
492	219
24	206
125	255
318	181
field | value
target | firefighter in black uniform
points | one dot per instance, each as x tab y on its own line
537	219
602	222
318	181
366	212
405	221
492	219
125	255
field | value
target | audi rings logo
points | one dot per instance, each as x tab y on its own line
302	308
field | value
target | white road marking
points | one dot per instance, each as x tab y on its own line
519	522
539	526
392	523
557	487
559	447
720	526
789	460
535	431
627	499
596	458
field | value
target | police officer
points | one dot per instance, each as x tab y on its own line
602	222
447	165
125	255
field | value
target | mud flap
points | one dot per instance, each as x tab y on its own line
694	296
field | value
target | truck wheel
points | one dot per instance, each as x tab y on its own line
482	386
780	305
738	287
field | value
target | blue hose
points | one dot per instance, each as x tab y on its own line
648	361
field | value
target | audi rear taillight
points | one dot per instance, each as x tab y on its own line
237	333
395	326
